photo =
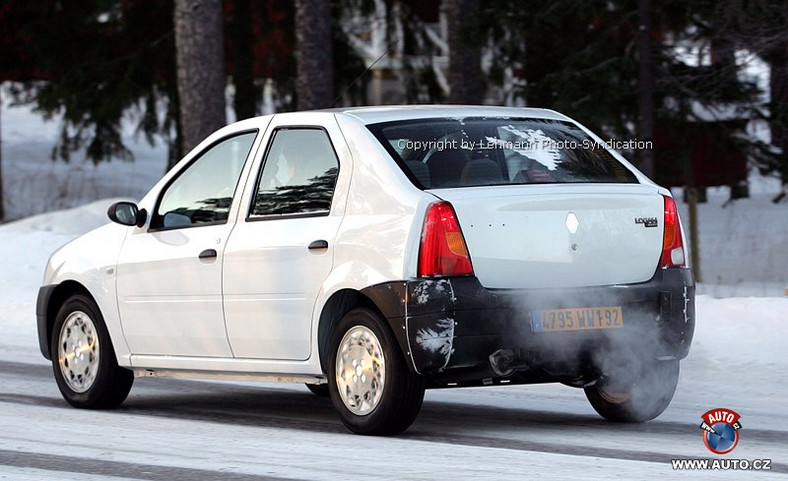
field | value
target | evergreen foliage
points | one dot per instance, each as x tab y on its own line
95	61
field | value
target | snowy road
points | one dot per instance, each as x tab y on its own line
180	429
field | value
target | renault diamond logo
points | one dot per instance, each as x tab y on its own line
572	223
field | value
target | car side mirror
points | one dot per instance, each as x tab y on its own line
127	213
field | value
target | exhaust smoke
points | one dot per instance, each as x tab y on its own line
629	372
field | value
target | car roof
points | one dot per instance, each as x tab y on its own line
389	113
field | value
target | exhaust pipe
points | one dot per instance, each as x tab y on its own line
503	363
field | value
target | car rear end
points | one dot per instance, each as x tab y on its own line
544	256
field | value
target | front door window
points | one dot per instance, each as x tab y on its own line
203	193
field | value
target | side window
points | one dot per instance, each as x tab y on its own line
203	192
299	174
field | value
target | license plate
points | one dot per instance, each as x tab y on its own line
577	319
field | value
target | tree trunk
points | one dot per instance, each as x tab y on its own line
315	73
245	101
2	198
200	62
646	85
778	86
465	70
692	204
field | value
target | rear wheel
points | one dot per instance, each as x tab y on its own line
83	359
371	387
637	397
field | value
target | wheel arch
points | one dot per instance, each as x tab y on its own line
384	299
58	295
339	304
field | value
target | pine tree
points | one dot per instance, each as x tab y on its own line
593	73
91	62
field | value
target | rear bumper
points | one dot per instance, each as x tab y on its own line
454	325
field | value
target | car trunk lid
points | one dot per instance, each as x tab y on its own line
549	236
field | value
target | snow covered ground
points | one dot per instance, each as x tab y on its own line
737	361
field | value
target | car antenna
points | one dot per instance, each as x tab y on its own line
354	82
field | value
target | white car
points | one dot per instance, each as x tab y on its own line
373	253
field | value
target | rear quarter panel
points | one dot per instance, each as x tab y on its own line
378	239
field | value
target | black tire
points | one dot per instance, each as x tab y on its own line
319	389
95	379
398	395
641	398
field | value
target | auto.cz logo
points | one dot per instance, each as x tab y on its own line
720	430
720	436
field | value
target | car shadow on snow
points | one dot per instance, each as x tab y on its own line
293	408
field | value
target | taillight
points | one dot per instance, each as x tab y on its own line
672	246
443	251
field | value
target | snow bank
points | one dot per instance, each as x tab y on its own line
26	245
743	244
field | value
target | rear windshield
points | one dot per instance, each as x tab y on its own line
448	153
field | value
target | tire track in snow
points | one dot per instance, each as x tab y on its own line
118	469
438	422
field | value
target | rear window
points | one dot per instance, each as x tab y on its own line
449	153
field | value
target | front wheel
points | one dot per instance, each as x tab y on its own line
628	398
371	387
83	359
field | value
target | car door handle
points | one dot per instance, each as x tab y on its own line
318	244
208	254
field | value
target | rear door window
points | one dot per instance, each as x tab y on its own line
450	153
298	176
